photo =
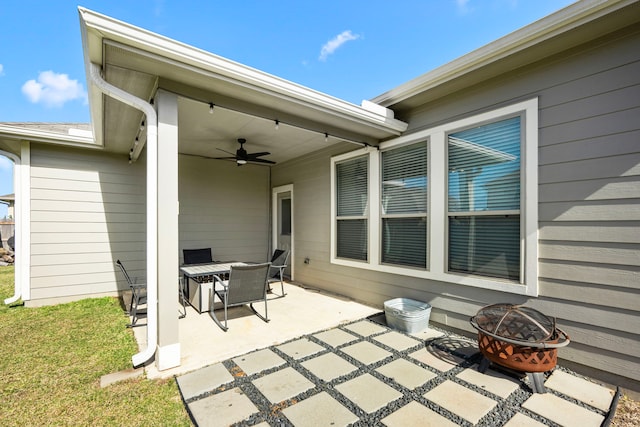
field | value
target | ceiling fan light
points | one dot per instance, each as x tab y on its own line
241	162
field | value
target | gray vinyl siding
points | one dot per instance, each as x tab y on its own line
224	207
589	205
87	210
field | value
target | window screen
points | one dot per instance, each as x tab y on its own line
352	209
484	200
404	205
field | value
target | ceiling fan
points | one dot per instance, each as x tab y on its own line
242	157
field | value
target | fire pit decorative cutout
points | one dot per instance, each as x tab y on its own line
519	338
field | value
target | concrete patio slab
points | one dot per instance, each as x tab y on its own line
366	328
397	341
329	366
282	385
580	389
302	311
208	378
368	392
222	409
562	411
492	381
258	361
127	374
415	414
520	420
332	387
436	360
335	337
366	352
299	349
465	403
406	374
319	411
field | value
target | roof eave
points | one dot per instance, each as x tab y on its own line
562	21
37	135
97	27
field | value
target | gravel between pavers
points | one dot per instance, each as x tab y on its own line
504	410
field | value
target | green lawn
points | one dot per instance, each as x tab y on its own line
52	358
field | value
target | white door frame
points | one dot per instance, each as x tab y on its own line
275	191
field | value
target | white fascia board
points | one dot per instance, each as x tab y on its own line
37	135
562	21
163	47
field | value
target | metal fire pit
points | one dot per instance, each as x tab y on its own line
519	338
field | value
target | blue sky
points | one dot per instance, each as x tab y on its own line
353	50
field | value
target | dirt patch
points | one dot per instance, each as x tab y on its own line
627	413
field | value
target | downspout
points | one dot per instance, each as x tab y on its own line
152	207
17	219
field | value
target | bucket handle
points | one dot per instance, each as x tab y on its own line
565	338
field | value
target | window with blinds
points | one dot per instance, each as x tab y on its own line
404	206
484	183
352	208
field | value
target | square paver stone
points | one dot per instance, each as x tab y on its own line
396	341
520	420
464	402
328	366
366	352
580	389
427	334
492	381
299	349
368	392
335	337
222	409
415	414
562	411
406	373
441	361
366	328
319	410
203	380
283	384
258	361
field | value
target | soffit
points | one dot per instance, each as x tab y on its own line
248	101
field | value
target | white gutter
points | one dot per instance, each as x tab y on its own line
152	206
73	138
165	50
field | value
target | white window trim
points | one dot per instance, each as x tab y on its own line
437	215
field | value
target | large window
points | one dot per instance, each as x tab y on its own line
404	206
352	201
456	203
484	200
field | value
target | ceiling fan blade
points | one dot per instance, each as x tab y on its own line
225	151
223	158
261	161
264	153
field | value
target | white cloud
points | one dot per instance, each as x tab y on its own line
53	89
335	43
1	70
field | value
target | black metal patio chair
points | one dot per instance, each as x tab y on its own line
247	284
276	271
138	296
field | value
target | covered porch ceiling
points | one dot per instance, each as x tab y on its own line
247	102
